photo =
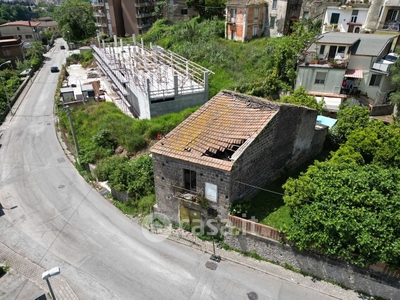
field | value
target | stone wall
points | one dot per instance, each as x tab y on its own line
355	278
283	144
381	110
168	172
121	196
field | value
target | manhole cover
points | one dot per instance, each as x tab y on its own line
48	123
252	296
61	160
61	186
211	265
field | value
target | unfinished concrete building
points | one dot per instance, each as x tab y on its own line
152	81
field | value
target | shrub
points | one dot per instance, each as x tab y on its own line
240	207
106	166
146	203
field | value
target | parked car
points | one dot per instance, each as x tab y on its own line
390	58
54	69
62	47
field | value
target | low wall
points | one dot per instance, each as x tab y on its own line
121	196
381	110
359	279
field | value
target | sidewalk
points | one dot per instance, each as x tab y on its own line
26	277
324	287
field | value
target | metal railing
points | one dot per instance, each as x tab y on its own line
186	195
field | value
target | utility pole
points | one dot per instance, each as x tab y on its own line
73	133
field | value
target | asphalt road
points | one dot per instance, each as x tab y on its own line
60	220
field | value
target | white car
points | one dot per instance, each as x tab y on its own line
390	58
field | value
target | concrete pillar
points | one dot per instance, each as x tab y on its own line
148	89
206	86
176	85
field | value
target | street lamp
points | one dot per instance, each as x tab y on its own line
4	86
45	276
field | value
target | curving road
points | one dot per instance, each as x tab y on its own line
60	220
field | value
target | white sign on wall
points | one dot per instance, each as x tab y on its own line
211	192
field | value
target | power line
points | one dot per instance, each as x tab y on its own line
281	194
256	187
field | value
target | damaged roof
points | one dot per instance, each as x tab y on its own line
212	134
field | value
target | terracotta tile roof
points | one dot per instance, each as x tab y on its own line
224	122
354	73
21	23
245	2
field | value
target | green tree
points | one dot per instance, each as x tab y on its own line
75	20
35	50
349	118
300	97
105	167
347	211
135	177
395	79
207	8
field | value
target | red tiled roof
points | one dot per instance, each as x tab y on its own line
224	122
21	23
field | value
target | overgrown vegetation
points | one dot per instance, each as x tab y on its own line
117	144
10	72
261	67
75	20
347	206
85	58
101	128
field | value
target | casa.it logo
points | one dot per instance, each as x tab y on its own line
156	227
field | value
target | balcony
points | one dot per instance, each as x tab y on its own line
101	24
143	26
143	4
144	15
99	15
355	4
381	67
231	20
97	3
384	64
187	195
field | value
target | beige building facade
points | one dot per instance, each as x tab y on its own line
28	31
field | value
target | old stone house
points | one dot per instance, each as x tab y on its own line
230	145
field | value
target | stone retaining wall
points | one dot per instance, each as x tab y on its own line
355	278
